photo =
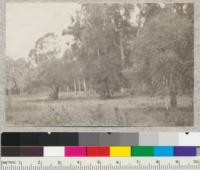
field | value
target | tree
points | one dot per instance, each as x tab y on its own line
164	53
73	68
46	57
53	76
103	34
18	74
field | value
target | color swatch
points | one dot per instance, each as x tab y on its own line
163	151
101	151
142	151
54	151
75	151
191	139
185	151
120	151
100	144
100	139
98	151
31	151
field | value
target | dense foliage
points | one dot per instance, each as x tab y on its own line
110	53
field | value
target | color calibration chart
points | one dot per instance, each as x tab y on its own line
100	151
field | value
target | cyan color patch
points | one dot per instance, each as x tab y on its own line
163	151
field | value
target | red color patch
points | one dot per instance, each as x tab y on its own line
98	151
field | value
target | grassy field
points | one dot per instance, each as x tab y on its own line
92	111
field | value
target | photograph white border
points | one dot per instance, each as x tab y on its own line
196	127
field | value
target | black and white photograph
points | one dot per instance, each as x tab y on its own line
99	64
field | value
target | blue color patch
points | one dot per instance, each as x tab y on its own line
163	151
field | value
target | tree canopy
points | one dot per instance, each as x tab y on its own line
164	52
110	52
103	35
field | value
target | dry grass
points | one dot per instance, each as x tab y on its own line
92	111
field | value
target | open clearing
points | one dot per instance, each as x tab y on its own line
81	111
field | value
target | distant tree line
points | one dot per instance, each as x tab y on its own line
110	53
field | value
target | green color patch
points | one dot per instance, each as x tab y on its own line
142	151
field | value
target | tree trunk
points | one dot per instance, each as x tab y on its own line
55	92
84	85
75	87
56	95
122	48
173	99
91	90
79	86
9	99
67	88
20	91
139	25
173	91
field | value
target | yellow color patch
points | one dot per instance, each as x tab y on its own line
117	151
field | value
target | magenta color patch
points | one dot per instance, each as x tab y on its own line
75	151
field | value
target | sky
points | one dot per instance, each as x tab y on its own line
26	22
